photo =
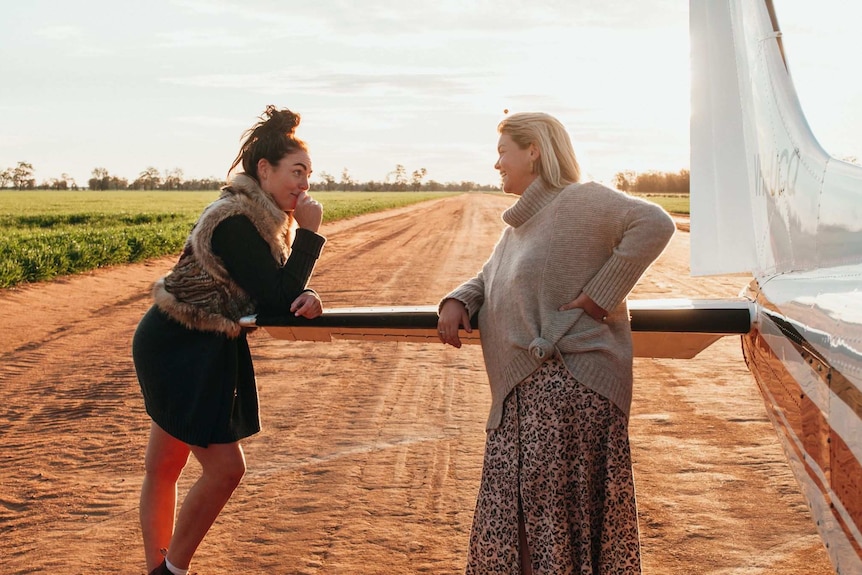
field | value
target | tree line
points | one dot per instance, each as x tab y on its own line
398	180
653	182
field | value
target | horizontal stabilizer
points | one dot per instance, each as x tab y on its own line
678	328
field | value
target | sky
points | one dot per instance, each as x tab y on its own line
174	83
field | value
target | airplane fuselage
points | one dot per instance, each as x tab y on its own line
805	352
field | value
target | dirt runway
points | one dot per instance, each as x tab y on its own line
371	452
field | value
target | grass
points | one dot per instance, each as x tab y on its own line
44	235
673	203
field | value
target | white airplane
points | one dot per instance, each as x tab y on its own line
766	199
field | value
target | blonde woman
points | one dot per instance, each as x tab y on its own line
557	492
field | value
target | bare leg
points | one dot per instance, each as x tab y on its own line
223	466
166	457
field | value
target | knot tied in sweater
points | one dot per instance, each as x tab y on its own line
541	349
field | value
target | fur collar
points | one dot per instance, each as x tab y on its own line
243	196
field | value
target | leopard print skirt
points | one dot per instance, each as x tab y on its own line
561	454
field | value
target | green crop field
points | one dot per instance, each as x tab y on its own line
673	203
44	234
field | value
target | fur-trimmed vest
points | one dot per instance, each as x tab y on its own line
198	292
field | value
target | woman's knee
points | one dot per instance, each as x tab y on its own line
165	466
232	473
224	463
166	456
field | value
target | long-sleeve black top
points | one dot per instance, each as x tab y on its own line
248	259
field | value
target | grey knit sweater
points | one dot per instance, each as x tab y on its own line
558	243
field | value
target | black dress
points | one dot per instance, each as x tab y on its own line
199	386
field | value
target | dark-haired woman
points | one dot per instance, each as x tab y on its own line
191	355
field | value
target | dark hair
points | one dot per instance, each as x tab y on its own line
271	138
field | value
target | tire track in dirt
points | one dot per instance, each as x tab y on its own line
439	242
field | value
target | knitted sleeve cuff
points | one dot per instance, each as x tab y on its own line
647	234
471	294
308	242
615	280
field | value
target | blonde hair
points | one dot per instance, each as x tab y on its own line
557	165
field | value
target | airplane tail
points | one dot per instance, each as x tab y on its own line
766	198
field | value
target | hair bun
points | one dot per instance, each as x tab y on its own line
270	139
283	121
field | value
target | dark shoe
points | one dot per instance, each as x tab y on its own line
161	570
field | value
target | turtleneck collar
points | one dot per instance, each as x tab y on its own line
537	195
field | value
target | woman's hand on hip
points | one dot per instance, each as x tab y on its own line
307	305
586	303
453	315
308	212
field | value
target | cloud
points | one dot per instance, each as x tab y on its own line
266	17
377	20
208	121
221	39
425	84
60	32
